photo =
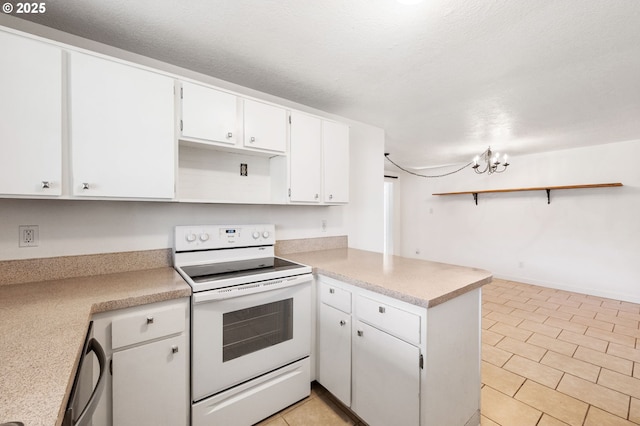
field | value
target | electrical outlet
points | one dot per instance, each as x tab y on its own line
29	236
244	169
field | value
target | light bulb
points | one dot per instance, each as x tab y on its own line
505	158
475	159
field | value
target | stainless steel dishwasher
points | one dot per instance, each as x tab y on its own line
84	395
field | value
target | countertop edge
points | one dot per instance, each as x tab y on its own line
129	302
400	295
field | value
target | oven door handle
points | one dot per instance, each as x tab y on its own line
246	289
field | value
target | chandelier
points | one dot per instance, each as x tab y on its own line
491	162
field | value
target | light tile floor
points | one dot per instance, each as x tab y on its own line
319	409
552	357
549	357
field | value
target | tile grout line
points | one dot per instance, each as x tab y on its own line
585	330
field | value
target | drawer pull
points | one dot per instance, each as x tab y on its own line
381	309
149	320
174	349
342	322
332	290
360	333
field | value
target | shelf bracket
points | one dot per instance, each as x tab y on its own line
548	195
475	197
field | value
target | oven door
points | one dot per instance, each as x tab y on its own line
238	338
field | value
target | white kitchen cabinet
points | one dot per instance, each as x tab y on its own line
334	352
31	117
410	365
147	348
265	126
374	372
208	115
148	384
369	353
318	160
335	145
305	158
386	378
121	130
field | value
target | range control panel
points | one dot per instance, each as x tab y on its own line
208	237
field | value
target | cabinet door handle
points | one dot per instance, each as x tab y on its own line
331	196
149	320
229	135
342	322
360	333
381	309
46	184
174	349
85	185
317	196
332	290
252	139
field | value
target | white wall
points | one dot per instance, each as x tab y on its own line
85	227
365	213
586	240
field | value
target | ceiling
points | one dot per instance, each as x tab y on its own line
444	78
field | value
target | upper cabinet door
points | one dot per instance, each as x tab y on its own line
208	114
30	117
335	141
121	130
265	126
305	158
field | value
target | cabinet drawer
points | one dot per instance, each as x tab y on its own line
395	321
146	324
335	296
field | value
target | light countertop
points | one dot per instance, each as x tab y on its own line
43	324
419	282
42	329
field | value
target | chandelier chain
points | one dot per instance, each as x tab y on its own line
426	176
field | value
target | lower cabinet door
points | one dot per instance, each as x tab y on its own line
386	378
149	385
334	352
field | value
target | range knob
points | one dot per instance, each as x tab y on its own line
265	234
204	236
191	237
255	235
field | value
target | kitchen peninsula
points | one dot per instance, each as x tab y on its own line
398	339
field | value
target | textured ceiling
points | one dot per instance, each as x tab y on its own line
444	78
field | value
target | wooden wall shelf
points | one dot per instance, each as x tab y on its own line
548	189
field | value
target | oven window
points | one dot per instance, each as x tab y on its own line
258	327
